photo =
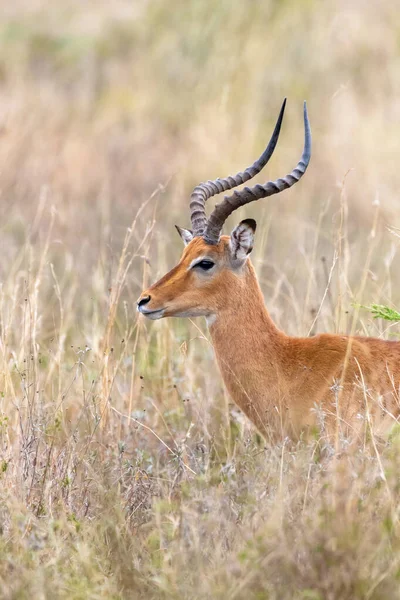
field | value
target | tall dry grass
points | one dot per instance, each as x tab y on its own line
125	470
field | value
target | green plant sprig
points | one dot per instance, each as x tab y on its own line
380	311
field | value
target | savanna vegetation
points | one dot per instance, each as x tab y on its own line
125	470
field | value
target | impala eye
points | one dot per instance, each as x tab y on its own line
205	265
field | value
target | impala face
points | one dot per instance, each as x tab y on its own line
200	282
212	265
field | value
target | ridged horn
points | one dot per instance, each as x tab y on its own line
230	203
204	191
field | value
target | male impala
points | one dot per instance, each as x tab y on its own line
285	385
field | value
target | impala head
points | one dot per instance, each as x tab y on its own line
212	265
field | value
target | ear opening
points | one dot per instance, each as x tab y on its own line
186	234
242	239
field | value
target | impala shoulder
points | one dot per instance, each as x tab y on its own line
330	342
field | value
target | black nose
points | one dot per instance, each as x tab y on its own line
144	301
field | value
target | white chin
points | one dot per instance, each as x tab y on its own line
191	314
154	315
210	319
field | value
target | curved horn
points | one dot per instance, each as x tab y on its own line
203	191
230	203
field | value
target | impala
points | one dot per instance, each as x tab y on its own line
285	385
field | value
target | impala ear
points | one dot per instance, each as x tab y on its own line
242	239
186	234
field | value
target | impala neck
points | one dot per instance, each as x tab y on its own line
250	349
244	313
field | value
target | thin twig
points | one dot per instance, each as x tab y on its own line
335	258
155	435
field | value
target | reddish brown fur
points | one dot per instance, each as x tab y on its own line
285	385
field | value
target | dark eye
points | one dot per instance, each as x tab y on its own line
205	265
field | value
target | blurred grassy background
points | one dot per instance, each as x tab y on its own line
107	109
